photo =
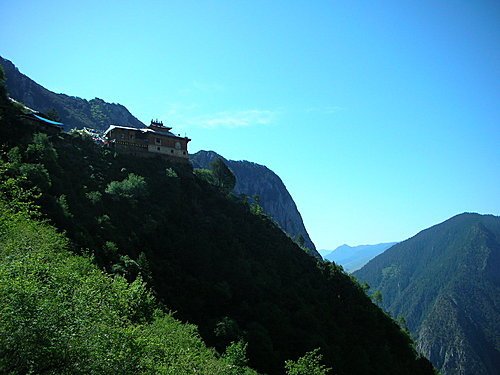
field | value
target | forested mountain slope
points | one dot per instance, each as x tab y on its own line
62	315
257	180
74	112
206	256
445	282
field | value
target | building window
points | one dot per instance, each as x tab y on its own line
171	151
131	136
183	152
178	145
158	140
158	148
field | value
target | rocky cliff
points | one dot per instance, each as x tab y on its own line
257	180
74	112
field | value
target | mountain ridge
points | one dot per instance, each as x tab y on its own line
444	281
73	111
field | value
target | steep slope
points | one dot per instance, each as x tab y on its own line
62	315
352	258
74	112
445	282
254	179
234	274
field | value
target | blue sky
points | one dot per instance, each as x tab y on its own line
382	118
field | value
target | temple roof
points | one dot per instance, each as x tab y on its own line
145	130
159	124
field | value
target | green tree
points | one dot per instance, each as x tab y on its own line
206	175
309	364
126	267
37	175
255	207
94	197
236	354
63	204
41	150
133	187
144	266
227	328
377	297
16	190
171	173
300	240
224	178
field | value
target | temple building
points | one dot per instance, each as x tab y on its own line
155	139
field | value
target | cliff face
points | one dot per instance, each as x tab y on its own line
255	179
74	112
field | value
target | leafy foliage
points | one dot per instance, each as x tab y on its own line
61	315
205	175
223	177
309	364
133	187
219	175
170	172
41	150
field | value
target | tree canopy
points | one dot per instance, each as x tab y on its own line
223	177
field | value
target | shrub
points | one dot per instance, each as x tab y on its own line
133	187
309	364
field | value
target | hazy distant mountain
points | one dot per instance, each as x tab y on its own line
255	179
74	112
353	258
445	282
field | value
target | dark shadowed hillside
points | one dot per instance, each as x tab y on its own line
445	282
74	112
257	180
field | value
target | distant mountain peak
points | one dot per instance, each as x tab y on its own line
352	258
